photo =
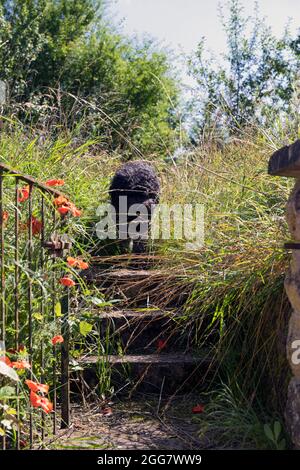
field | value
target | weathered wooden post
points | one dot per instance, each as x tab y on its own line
286	162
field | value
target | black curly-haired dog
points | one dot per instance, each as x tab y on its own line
139	183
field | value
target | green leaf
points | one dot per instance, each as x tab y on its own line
281	445
85	328
57	309
277	430
2	432
268	432
7	392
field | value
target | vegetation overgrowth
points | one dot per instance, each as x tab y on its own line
81	99
234	284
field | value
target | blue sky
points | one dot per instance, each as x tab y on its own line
180	24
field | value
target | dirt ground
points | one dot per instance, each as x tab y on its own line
133	425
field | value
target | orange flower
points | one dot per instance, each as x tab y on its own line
55	183
66	281
161	344
77	263
40	402
5	216
35	399
83	265
63	210
72	262
46	405
6	361
21	364
37	387
70	207
74	211
36	224
198	409
23	194
60	201
64	206
57	339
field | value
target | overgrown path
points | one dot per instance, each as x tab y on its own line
133	425
140	352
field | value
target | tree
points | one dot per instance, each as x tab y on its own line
253	80
64	63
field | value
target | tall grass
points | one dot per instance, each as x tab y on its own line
234	284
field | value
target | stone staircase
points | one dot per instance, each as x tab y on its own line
143	349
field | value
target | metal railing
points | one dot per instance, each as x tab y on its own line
33	304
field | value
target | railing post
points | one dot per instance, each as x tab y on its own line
286	162
2	281
65	379
59	246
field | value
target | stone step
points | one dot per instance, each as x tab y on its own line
138	286
149	373
140	331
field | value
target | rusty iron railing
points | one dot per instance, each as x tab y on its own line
33	238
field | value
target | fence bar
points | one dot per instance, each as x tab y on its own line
17	298
30	249
65	380
54	352
42	307
16	265
2	303
2	260
29	180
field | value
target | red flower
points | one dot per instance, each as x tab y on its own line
5	216
74	211
72	262
42	402
60	201
55	183
22	364
77	263
36	225
6	361
161	344
37	387
23	194
83	265
198	409
64	206
63	210
66	281
57	339
70	207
